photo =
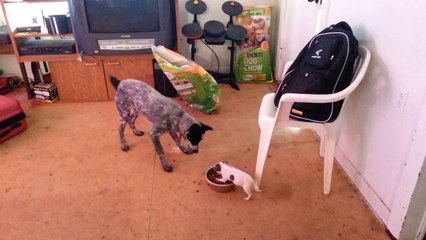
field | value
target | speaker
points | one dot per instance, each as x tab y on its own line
161	82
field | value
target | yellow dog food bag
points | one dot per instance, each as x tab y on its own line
254	55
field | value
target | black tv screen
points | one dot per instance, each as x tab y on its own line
123	26
114	16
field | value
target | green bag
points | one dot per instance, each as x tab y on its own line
254	55
193	83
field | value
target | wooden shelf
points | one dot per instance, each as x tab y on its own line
36	34
52	57
19	38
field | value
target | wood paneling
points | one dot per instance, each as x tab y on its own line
88	80
139	68
79	81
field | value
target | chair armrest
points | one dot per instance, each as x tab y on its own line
314	98
287	100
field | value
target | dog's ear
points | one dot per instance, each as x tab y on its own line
217	167
205	127
195	133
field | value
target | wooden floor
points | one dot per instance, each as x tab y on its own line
65	177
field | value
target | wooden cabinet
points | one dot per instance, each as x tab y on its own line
139	67
88	80
79	81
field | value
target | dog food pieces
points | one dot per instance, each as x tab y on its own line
212	175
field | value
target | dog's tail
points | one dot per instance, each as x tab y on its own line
114	81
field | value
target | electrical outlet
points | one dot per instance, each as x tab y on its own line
400	99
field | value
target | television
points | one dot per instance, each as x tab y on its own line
104	27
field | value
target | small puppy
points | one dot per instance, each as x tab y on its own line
236	176
135	98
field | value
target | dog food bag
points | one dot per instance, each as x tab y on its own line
193	83
254	55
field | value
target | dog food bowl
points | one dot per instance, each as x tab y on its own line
210	176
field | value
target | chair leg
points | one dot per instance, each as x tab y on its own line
322	143
262	152
330	145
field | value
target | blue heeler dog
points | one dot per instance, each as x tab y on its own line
134	98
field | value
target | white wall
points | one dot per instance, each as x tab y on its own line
412	215
10	66
31	14
381	134
296	27
375	147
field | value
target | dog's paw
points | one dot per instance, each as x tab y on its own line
186	150
124	147
168	168
138	133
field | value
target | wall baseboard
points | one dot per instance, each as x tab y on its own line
371	198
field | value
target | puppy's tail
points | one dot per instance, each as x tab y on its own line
114	81
256	188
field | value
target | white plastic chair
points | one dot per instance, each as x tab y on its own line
269	116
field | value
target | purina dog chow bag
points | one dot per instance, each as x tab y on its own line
194	84
254	55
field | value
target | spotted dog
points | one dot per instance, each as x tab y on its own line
135	98
238	177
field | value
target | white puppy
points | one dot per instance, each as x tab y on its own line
238	177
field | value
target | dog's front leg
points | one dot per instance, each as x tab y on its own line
183	148
155	138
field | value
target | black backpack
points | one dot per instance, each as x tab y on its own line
324	66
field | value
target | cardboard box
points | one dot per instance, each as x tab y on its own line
46	92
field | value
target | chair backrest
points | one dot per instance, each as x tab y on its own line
360	68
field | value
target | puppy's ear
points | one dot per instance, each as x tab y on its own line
217	167
205	127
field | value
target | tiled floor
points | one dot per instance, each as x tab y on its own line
65	177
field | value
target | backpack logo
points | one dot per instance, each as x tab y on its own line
297	112
317	54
